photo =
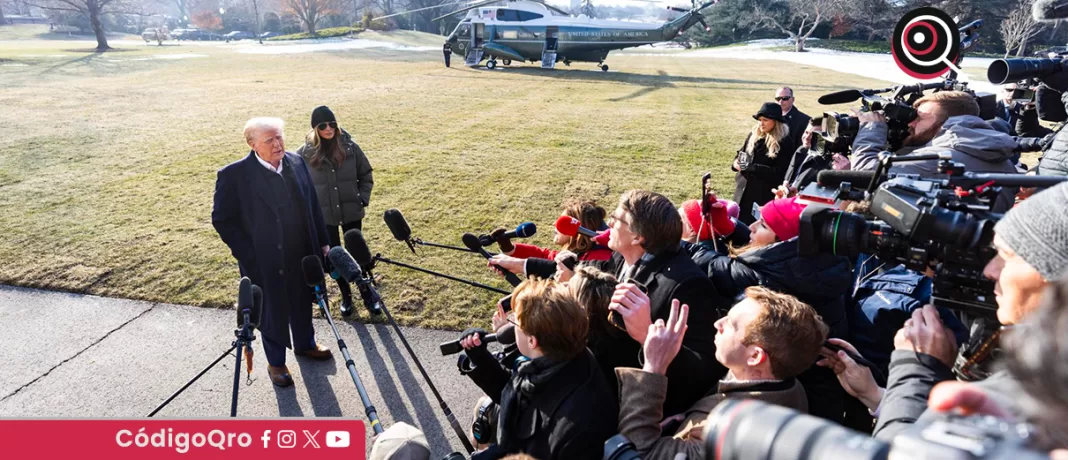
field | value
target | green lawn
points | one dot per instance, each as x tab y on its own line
107	161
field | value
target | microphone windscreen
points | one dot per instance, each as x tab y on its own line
840	97
397	225
313	270
859	179
472	242
506	336
244	293
257	305
344	264
567	225
526	230
357	246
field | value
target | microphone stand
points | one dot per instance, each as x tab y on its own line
376	298
445	246
244	337
372	414
379	258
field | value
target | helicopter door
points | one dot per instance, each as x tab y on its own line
548	52
477	37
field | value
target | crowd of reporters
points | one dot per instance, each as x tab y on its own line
644	326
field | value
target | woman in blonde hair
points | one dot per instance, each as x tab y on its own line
343	182
763	160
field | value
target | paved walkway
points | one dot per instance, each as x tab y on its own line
68	355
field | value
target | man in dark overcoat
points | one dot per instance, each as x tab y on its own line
267	212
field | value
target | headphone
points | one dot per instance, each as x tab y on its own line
484	428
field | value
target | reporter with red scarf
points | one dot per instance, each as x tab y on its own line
533	260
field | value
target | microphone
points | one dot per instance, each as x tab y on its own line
399	227
244	300
357	246
313	271
859	179
345	265
524	230
1049	10
472	242
840	97
506	336
257	306
570	226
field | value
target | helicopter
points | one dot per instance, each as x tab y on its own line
532	30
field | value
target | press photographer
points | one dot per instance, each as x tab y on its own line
555	403
946	121
1050	98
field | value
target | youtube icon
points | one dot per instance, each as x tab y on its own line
337	439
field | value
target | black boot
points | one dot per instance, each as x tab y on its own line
372	306
346	307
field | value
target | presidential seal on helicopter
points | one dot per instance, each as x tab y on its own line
532	30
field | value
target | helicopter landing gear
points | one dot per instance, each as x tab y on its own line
491	64
603	66
506	62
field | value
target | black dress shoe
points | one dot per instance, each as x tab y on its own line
347	308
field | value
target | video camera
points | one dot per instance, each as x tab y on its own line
746	428
839	129
943	222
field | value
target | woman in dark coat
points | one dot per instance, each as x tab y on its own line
343	183
771	260
762	162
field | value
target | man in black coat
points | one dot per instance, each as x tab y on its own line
267	212
795	119
555	403
646	231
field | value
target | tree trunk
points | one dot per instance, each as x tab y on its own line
871	35
98	28
259	27
1023	46
799	44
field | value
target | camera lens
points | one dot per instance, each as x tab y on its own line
750	429
846	234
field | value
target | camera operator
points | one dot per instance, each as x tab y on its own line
555	403
766	341
1050	107
1032	248
946	121
771	259
808	161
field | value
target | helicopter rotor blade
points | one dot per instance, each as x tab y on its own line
418	10
467	8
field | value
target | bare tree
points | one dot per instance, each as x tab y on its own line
875	16
808	14
311	11
1019	27
92	9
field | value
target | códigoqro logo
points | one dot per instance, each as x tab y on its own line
325	438
926	43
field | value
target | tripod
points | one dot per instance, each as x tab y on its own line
244	337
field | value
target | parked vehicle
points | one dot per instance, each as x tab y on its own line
153	34
270	34
238	35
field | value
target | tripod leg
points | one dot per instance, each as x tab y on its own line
237	377
187	384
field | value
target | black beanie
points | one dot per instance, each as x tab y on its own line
322	114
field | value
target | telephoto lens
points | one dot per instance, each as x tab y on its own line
752	430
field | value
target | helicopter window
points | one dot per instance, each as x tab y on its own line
504	14
464	30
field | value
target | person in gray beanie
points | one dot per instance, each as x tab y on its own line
1032	251
1032	244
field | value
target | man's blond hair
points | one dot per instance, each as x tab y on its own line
951	103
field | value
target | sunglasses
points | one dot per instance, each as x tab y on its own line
323	125
783	98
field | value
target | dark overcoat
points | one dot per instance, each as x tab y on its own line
247	217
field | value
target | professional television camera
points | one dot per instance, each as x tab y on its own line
739	428
942	222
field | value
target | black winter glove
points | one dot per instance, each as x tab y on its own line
503	242
478	355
